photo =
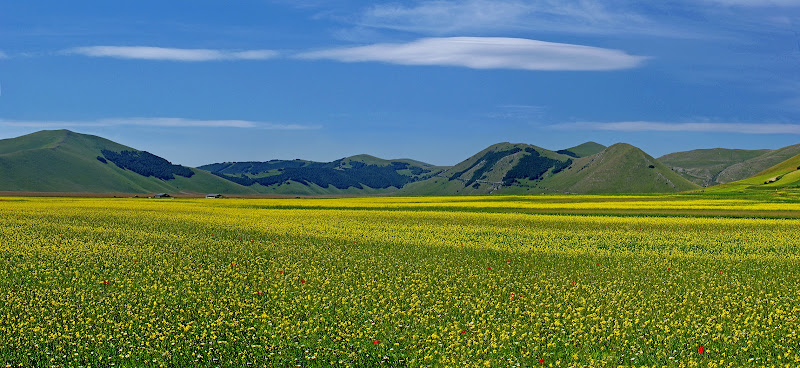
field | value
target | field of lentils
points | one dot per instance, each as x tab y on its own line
496	281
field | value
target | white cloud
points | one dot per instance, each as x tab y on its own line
170	54
157	122
449	16
485	53
3	55
651	126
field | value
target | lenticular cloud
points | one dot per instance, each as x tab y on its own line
486	53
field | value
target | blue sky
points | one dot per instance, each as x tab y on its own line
200	82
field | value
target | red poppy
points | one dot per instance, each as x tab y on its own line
701	349
376	342
463	332
260	292
573	283
240	239
233	264
105	282
490	268
508	261
302	281
541	360
669	268
598	263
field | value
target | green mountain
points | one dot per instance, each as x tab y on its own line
487	171
620	168
784	175
583	150
520	168
361	174
64	161
492	170
708	167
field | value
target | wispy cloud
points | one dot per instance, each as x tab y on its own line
457	17
3	55
485	53
757	3
170	54
158	122
651	126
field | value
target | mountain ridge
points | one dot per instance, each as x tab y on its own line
65	161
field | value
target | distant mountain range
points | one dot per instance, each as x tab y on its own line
64	161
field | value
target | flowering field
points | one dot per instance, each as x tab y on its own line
417	281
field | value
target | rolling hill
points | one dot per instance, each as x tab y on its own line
781	176
492	170
620	168
583	150
708	167
522	169
64	161
360	174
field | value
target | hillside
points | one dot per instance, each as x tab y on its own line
781	176
708	167
64	161
493	170
620	168
360	174
583	150
524	169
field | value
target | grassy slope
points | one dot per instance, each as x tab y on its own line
719	166
296	188
441	184
621	168
783	175
64	161
756	165
587	149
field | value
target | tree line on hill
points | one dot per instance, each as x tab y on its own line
357	175
146	164
534	166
